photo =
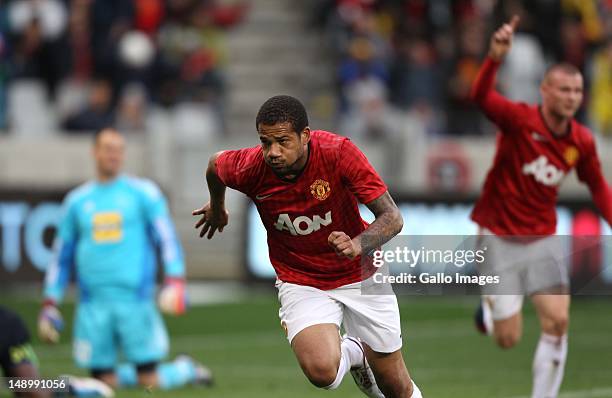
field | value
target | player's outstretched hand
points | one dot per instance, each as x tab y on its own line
501	41
50	324
344	245
211	220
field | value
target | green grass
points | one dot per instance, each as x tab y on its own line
246	348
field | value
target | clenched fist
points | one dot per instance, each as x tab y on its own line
344	245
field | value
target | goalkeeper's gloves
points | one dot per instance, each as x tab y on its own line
50	323
173	297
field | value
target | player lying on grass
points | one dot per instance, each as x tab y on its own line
18	360
538	146
306	186
108	233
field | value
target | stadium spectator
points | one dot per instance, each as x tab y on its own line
574	44
601	90
97	113
190	55
134	61
109	20
360	65
148	15
131	111
415	76
79	38
521	79
463	116
38	35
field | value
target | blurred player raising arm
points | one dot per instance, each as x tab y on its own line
537	147
530	132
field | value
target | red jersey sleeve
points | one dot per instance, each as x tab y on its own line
499	109
358	175
237	169
589	172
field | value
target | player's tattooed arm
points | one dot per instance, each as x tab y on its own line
388	223
213	214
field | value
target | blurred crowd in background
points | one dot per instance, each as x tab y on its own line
416	59
78	65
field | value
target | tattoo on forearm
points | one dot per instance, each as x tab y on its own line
388	223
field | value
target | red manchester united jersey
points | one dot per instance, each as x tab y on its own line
299	215
520	192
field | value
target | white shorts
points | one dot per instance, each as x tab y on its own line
374	319
523	269
503	306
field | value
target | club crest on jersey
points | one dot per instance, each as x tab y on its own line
302	225
320	189
544	172
571	155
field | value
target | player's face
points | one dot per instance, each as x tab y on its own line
562	93
109	153
284	150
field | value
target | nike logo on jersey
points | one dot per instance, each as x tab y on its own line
537	136
544	172
302	225
262	197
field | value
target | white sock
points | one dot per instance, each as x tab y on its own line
548	365
353	351
350	356
416	393
487	315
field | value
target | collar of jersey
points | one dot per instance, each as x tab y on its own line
109	183
552	133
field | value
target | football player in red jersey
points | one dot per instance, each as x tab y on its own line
307	186
538	146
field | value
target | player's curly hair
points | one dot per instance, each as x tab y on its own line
283	108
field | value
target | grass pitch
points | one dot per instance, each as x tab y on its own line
246	348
